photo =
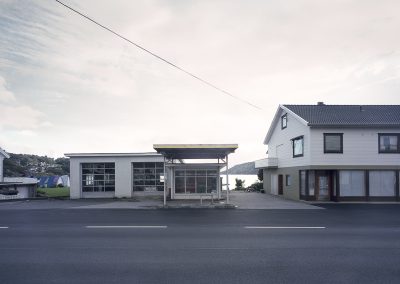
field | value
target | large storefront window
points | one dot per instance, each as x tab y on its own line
352	183
146	176
98	177
196	181
382	183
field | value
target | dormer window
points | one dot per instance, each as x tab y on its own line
284	121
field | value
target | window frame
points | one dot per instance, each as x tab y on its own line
341	143
302	147
388	152
282	117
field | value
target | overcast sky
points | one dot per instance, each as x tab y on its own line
68	86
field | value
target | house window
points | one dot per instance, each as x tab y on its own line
288	180
389	143
298	146
333	142
284	121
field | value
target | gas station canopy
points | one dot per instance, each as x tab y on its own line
195	151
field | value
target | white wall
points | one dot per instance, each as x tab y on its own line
360	147
123	174
280	144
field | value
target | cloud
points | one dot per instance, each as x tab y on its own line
19	117
14	115
97	88
5	94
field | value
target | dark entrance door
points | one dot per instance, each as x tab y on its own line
280	184
323	185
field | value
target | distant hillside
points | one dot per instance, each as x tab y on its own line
23	165
243	169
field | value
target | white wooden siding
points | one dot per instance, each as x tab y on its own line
360	147
280	144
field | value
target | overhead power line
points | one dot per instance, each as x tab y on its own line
158	57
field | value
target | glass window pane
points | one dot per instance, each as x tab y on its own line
110	171
190	185
388	143
212	172
179	173
201	173
311	183
201	184
87	189
179	185
333	143
298	147
190	173
303	182
138	188
109	188
382	183
352	183
87	171
211	184
138	165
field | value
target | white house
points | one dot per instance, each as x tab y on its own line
333	152
17	187
3	155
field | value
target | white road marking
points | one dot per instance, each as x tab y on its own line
3	227
270	227
126	227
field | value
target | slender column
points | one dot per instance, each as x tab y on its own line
165	184
227	181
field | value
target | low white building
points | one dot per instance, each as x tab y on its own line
165	172
333	152
15	187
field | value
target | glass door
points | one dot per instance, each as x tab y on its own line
323	184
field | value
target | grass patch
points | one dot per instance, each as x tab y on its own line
54	192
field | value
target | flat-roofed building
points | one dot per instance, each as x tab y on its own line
166	172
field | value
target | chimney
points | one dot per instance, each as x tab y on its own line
320	103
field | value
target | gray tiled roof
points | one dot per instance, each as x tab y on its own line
348	115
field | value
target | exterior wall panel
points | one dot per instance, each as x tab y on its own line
280	144
360	147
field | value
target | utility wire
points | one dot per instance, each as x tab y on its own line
159	57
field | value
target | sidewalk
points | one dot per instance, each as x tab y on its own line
238	200
255	200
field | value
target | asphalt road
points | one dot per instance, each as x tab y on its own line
342	244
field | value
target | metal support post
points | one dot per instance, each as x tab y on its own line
165	184
227	181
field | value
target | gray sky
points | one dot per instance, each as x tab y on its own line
68	86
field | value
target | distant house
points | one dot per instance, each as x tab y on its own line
53	181
15	188
333	152
3	155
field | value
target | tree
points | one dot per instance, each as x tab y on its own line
239	184
260	174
